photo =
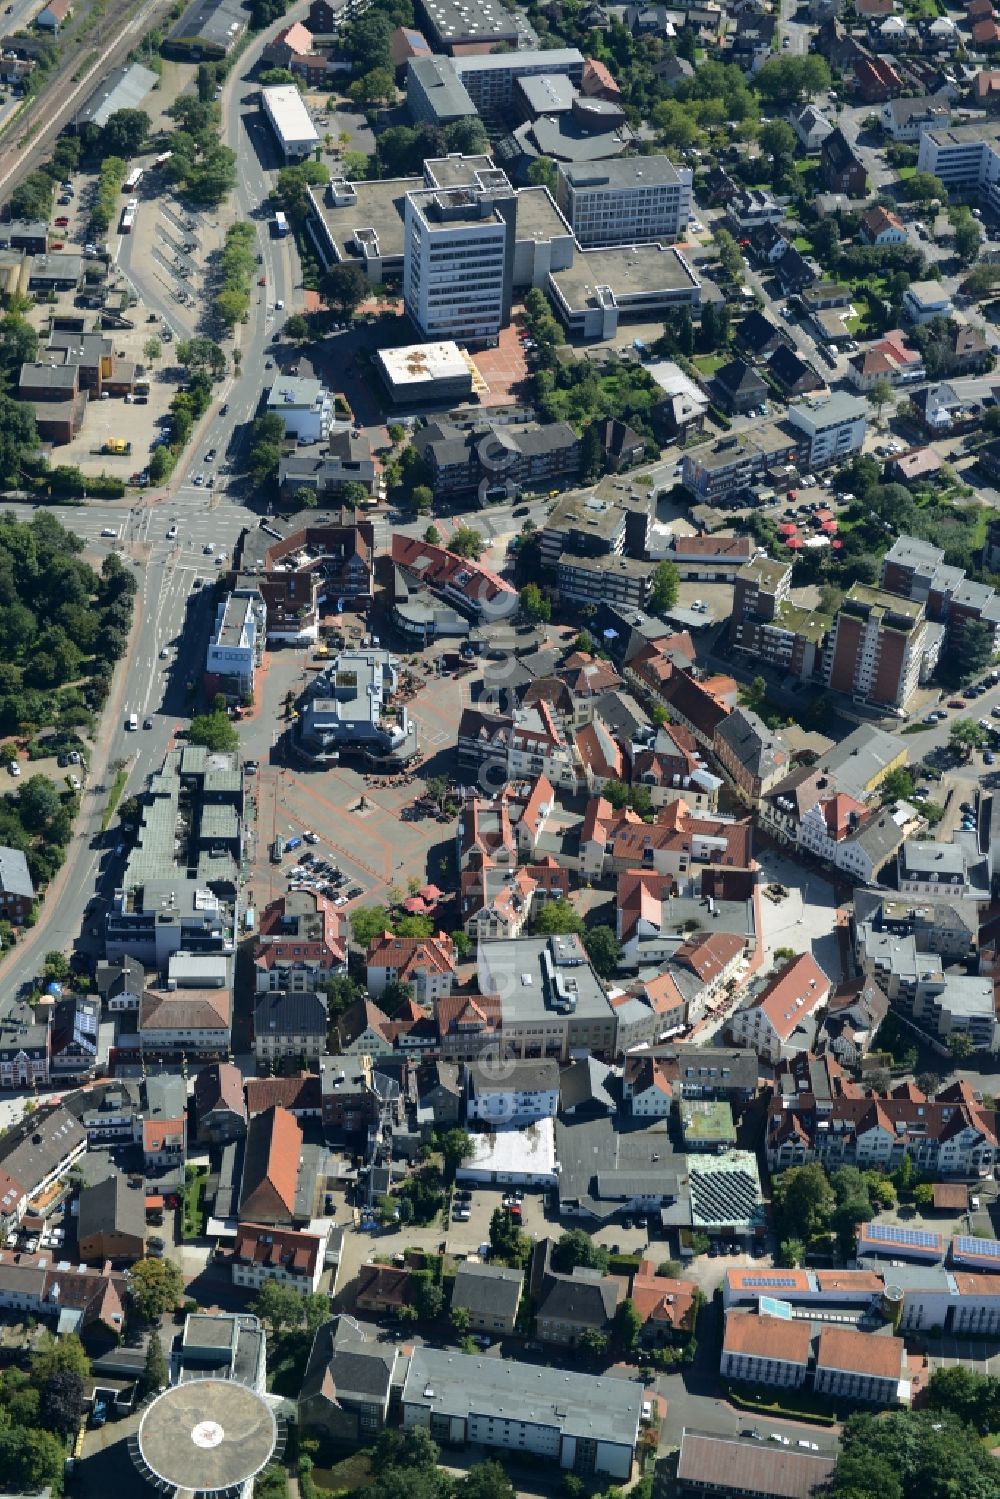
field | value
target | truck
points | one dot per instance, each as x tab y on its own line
280	225
116	445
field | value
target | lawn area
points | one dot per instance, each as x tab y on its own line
195	1181
803	245
707	364
354	1472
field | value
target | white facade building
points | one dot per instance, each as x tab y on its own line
835	428
290	120
637	200
304	405
458	259
236	648
521	1091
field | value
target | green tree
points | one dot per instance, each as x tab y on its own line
972	653
461	1318
960	1045
279	1306
157	1286
803	1200
922	187
369	922
509	1245
664	588
296	327
428	1297
467	542
214	731
576	1247
155	1373
534	605
629	1324
968	238
343	288
31	1459
923	1196
61	1403
151	350
543	173
485	1481
124	134
881	394
778	139
432	536
422	498
784	80
593	1343
603	949
896	786
965	735
557	918
455	1146
792	1253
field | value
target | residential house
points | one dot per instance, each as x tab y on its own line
570	1305
752	756
440	1093
792	373
285	1256
880	226
220	1108
428	963
120	983
348	1382
490	1294
855	1012
757	337
112	1220
299	943
876	80
812	128
842	171
17	893
513	1091
365	1030
665	1306
739	388
647	1086
768	1023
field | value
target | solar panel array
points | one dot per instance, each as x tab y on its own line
984	1248
732	1197
894	1233
772	1282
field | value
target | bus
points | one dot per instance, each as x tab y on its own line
132	180
164	156
280	225
128	215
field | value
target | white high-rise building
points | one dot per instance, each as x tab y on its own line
458	259
638	200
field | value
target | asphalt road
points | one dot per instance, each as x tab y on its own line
170	611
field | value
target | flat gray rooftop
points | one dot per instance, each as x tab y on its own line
630	271
538	218
209	1435
380	206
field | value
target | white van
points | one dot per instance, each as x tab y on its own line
133	722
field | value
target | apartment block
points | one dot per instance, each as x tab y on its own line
879	648
459	259
489	77
284	1255
766	625
636	200
832	429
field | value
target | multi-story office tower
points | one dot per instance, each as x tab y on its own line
637	200
458	259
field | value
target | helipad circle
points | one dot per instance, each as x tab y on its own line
207	1435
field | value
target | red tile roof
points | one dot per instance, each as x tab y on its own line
271	1166
860	1352
767	1337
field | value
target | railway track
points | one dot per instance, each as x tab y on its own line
55	105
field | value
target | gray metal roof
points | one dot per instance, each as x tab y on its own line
123	88
14	876
581	1405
